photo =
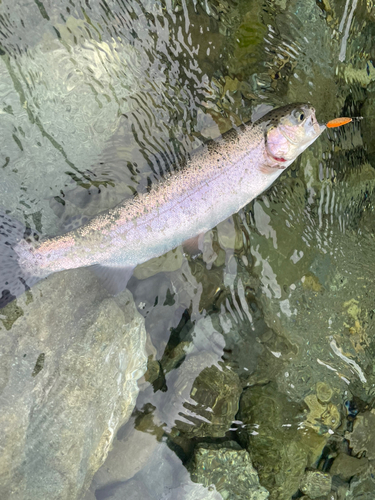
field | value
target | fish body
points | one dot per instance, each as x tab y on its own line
218	180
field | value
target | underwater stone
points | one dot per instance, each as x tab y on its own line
173	407
362	438
58	425
279	446
316	484
213	402
153	370
362	487
320	415
170	261
323	392
229	468
174	356
346	466
229	236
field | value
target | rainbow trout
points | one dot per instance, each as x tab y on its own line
219	179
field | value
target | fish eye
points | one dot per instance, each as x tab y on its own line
299	115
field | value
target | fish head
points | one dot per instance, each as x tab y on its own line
289	130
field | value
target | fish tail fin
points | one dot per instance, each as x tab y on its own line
14	281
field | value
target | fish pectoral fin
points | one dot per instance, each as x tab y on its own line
113	278
270	169
194	246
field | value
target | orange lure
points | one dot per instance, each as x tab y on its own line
337	122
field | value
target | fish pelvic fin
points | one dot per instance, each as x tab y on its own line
194	246
113	278
14	281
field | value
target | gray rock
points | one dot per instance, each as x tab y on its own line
90	495
229	468
72	358
128	456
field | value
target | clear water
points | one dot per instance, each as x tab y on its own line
263	345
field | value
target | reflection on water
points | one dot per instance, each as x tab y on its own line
259	380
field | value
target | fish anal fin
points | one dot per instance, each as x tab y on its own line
194	246
113	278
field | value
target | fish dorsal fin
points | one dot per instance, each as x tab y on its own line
259	111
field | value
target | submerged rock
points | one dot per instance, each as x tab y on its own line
363	487
315	484
170	261
279	445
324	392
209	400
346	466
322	417
202	393
69	379
229	468
362	438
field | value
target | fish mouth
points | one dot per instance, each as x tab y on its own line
318	127
322	127
277	159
